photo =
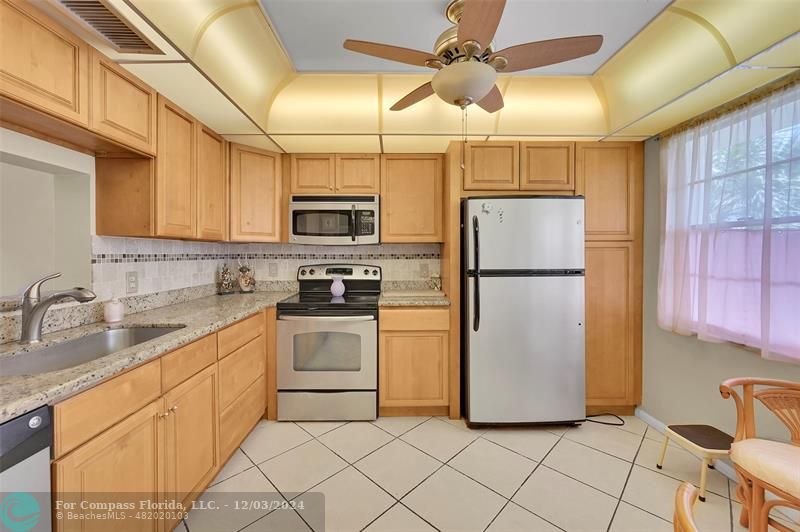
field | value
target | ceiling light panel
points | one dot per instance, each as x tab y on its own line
421	144
256	141
329	143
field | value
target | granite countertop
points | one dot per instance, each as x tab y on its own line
413	298
20	394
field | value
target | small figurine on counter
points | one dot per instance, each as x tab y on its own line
225	281
247	279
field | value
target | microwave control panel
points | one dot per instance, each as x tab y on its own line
366	222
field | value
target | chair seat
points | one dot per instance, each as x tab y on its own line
773	462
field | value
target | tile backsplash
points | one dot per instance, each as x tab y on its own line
172	264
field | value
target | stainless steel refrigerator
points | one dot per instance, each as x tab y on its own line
523	309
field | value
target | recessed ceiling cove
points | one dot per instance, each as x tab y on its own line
312	31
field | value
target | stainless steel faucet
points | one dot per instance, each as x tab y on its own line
34	307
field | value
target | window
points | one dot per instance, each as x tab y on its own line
730	243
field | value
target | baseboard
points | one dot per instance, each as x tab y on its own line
414	411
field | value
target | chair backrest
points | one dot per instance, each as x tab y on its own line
685	497
781	397
785	404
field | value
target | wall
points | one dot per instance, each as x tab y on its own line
682	374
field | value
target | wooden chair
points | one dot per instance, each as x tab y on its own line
765	465
685	497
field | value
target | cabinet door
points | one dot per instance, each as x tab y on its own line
238	370
119	465
176	173
191	457
413	368
212	185
613	324
609	174
313	173
42	64
411	198
491	166
358	174
123	106
255	195
547	165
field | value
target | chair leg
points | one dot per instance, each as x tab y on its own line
660	462
703	478
743	493
756	503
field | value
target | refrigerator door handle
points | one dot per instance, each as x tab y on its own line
476	320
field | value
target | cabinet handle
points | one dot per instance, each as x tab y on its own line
165	414
173	409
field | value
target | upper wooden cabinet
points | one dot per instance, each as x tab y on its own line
255	195
411	198
176	171
609	174
313	173
358	173
491	166
42	64
327	173
547	165
212	185
123	107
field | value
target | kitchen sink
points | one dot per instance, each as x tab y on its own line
79	351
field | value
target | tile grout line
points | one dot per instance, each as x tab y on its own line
625	485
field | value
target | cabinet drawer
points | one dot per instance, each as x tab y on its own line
184	362
241	416
232	338
237	371
415	319
80	418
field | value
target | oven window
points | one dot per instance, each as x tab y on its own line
327	351
322	223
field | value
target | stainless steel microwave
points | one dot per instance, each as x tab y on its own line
334	220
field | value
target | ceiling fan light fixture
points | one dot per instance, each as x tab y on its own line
464	83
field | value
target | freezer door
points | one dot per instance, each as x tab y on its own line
525	363
525	233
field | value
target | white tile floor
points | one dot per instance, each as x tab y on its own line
423	474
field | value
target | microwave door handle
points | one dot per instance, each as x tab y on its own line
328	319
476	321
353	228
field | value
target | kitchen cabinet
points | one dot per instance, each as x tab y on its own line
191	437
327	173
176	171
609	175
547	166
255	185
411	198
358	173
212	185
42	64
413	360
491	165
313	173
123	107
120	465
613	324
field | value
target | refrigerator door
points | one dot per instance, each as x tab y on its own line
525	233
525	363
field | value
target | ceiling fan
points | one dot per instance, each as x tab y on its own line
465	58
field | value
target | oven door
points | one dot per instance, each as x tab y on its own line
327	352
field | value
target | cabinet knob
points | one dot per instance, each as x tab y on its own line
174	408
165	414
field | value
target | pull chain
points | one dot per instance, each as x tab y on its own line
463	135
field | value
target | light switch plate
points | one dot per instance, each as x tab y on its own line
131	282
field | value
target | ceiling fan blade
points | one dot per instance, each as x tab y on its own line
417	95
479	21
543	53
492	102
392	53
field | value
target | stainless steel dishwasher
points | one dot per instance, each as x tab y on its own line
25	471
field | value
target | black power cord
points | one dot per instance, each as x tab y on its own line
620	424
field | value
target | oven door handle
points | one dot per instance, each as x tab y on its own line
327	318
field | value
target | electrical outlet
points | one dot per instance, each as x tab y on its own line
273	269
424	270
131	282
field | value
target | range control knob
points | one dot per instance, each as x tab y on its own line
366	272
302	272
374	272
311	271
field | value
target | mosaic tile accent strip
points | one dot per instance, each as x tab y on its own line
108	258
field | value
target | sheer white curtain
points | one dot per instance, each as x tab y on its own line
730	241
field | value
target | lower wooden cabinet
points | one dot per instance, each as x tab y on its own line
413	361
